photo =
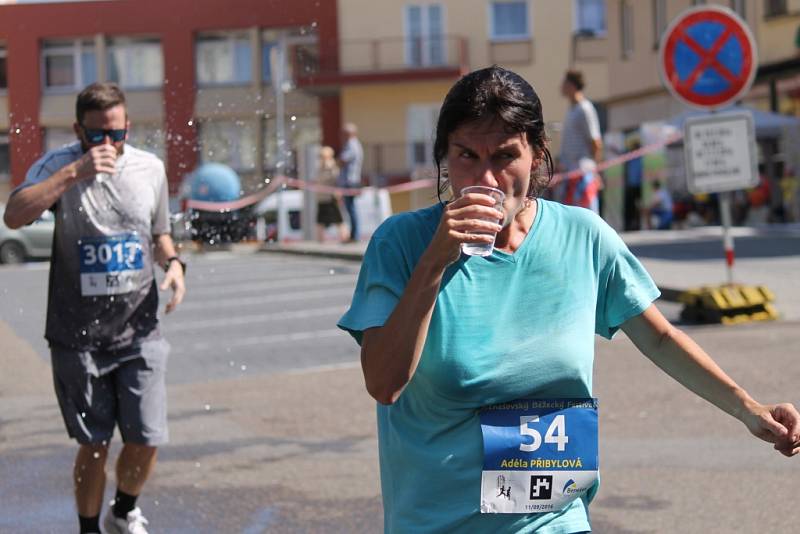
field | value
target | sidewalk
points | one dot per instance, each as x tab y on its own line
677	259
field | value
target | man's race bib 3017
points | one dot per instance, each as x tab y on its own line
110	265
538	454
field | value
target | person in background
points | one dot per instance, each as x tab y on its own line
660	210
328	212
580	134
108	356
634	172
350	160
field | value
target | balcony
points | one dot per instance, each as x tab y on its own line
383	60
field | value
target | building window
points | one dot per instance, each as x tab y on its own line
421	123
626	23
3	79
775	8
269	57
508	20
135	63
659	21
70	65
425	37
590	17
232	142
224	59
5	159
739	7
149	137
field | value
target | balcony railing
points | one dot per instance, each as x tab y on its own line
385	55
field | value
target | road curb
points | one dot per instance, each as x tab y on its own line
350	255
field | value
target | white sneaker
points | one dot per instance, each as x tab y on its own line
133	524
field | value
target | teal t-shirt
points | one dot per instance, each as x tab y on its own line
504	327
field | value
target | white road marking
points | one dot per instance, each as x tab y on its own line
182	326
269	298
266	283
266	341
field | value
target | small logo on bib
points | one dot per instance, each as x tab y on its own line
541	487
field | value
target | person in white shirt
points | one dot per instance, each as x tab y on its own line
580	134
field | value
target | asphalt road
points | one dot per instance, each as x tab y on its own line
271	430
244	314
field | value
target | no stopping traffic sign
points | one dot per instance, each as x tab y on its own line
707	57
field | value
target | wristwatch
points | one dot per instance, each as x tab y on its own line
169	261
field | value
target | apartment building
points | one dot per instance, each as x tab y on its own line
200	77
398	58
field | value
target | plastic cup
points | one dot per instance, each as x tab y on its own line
483	249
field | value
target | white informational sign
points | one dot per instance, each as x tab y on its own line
720	151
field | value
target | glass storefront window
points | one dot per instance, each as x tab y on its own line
232	142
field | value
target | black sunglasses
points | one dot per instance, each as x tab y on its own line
96	136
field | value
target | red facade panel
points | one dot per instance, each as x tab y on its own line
24	26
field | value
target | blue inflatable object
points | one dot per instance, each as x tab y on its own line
215	182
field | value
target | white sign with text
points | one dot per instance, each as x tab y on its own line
720	151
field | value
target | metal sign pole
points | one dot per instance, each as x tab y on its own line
280	118
727	237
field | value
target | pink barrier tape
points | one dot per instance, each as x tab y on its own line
240	203
622	158
311	186
279	181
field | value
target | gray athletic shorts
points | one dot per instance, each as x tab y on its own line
98	390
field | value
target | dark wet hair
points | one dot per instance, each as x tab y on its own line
98	97
494	93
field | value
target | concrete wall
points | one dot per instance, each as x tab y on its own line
379	110
776	38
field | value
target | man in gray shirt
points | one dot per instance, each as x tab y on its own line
580	133
350	160
108	357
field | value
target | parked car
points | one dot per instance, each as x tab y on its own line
32	241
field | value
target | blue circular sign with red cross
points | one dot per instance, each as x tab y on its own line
707	57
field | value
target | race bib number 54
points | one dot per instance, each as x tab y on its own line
110	265
539	454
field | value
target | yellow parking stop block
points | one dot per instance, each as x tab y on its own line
728	304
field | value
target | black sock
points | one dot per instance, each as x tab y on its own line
123	503
89	525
